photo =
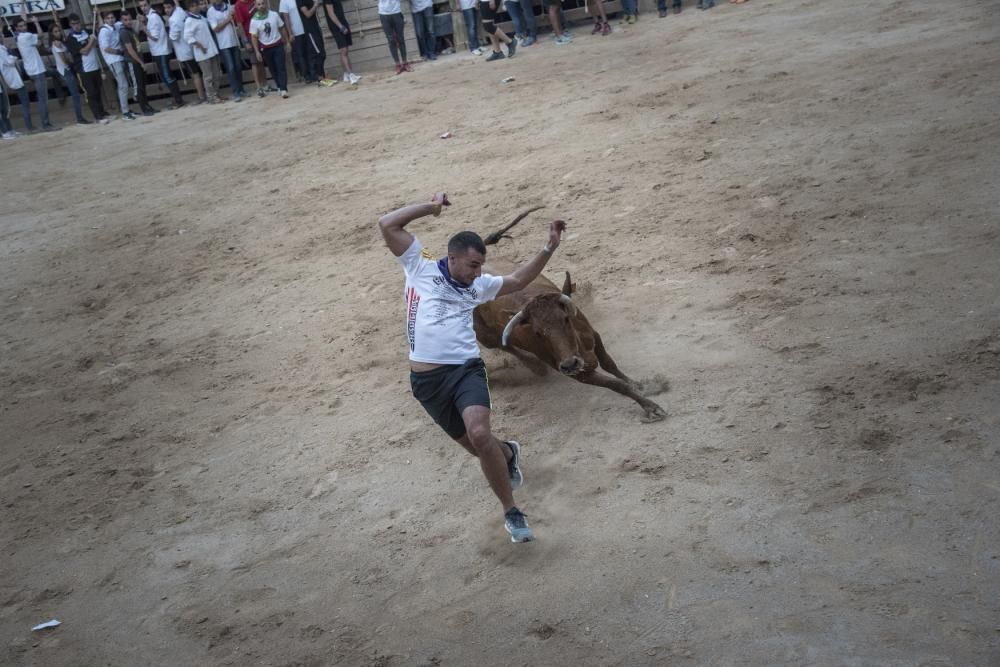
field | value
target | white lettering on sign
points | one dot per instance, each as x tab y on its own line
12	9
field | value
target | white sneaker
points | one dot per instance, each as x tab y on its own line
9	135
355	78
347	78
477	52
284	93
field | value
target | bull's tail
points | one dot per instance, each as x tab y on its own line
495	237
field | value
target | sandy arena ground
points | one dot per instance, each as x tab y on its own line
788	209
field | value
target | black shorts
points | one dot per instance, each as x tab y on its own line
190	67
487	14
342	40
446	391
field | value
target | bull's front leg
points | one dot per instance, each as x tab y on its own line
608	364
653	412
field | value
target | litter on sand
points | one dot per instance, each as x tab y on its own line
446	135
47	624
509	79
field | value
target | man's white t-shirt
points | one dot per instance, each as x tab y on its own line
268	30
389	7
294	19
27	44
439	312
227	36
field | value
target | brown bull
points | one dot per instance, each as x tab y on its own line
541	323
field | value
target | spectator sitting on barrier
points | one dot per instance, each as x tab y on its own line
488	10
341	31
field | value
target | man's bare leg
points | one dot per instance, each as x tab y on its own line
199	85
491	452
554	20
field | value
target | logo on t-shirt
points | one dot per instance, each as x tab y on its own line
412	304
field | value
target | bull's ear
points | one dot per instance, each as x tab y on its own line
567	286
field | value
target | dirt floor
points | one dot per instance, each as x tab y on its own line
788	209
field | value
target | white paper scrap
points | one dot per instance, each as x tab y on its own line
47	624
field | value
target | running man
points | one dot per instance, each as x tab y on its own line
447	375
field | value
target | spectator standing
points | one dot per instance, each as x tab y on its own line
423	26
159	49
87	64
471	19
198	34
266	30
64	66
661	7
11	81
391	15
341	31
135	68
315	50
630	8
243	11
113	53
554	8
182	49
222	20
522	13
34	67
488	10
601	25
289	11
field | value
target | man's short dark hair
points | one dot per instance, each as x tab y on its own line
73	17
462	241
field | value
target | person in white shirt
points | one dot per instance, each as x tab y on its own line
34	66
391	16
10	82
198	33
423	27
159	48
114	55
87	64
470	17
447	375
64	66
266	30
289	11
223	22
183	50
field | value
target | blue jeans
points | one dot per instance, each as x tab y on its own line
69	79
471	18
423	27
42	92
662	5
163	64
233	63
629	7
523	15
5	125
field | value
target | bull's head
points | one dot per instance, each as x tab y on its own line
545	327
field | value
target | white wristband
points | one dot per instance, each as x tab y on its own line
547	249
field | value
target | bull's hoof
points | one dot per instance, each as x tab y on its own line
653	413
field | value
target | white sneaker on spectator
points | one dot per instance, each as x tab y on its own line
355	78
477	52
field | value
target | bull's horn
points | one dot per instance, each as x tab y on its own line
510	327
568	302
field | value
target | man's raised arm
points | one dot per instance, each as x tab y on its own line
524	274
391	224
